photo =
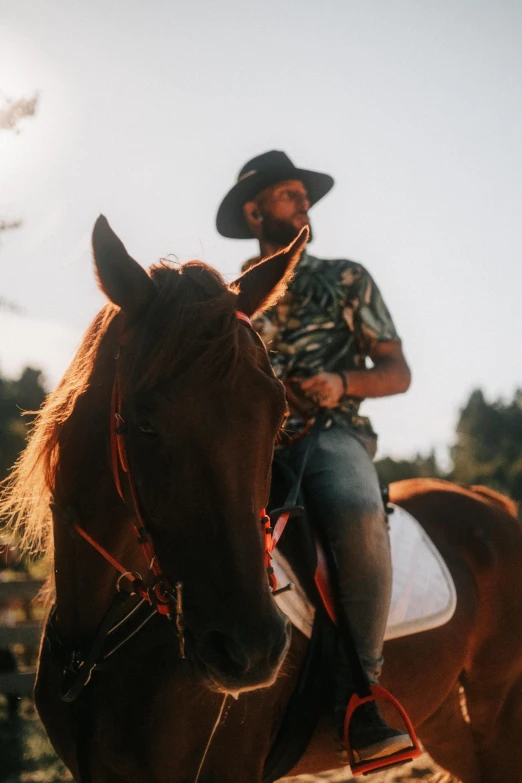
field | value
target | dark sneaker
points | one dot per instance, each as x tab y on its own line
371	737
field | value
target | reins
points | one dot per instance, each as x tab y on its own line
280	516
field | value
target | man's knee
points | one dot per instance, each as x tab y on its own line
364	515
355	523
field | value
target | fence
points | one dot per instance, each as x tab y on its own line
18	628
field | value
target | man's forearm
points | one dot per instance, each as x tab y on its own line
387	377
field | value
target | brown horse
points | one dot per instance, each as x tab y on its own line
200	409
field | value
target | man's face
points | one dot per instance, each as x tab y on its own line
284	209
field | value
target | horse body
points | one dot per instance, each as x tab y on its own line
482	545
202	409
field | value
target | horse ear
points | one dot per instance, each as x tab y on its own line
263	284
120	278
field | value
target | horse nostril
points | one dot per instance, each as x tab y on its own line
222	652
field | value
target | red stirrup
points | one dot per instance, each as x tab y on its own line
384	762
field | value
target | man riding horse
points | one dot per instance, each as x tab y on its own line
319	335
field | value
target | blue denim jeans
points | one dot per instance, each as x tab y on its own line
343	496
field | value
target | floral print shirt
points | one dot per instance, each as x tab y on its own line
327	321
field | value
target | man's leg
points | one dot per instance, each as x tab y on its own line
342	491
343	494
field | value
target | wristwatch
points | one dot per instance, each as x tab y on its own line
342	376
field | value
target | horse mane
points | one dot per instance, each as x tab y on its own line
190	326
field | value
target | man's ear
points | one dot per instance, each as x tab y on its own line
120	278
253	218
263	284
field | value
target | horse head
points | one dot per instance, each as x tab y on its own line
202	409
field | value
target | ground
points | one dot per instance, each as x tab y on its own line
25	753
27	757
421	769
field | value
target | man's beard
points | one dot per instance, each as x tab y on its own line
280	232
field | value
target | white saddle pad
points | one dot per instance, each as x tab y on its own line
423	593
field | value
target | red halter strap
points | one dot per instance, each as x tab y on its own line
161	592
244	317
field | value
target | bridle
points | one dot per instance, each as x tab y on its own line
164	598
156	593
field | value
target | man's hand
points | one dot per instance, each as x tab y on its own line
390	374
325	389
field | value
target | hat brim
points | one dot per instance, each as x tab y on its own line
230	221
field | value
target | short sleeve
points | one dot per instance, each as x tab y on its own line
372	320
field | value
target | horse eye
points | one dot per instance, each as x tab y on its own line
147	428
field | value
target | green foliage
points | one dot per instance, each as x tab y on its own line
13	111
17	396
396	470
5	304
7	225
488	449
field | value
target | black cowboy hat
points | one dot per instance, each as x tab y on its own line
260	172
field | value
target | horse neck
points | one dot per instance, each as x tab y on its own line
86	494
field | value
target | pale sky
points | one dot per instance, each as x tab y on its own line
149	109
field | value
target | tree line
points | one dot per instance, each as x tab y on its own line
487	448
488	439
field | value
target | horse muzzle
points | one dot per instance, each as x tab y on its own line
243	660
